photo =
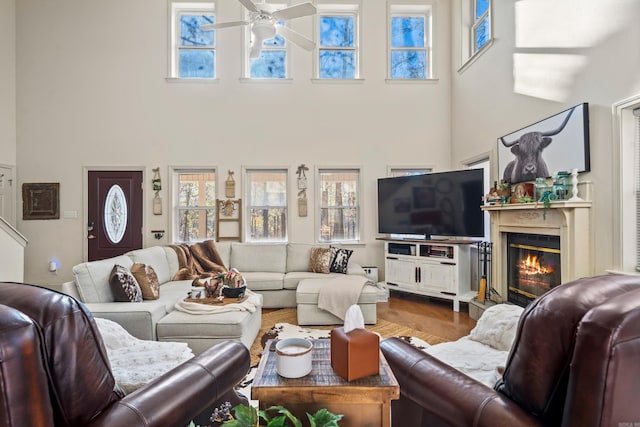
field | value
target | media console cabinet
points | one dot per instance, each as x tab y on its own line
434	268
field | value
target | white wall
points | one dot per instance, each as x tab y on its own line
7	83
92	92
549	55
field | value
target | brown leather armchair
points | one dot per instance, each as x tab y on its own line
573	363
54	371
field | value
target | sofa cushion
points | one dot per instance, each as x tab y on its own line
497	326
224	250
147	279
156	257
124	286
269	258
298	255
92	278
340	259
320	260
263	281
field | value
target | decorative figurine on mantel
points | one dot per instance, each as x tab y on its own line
574	183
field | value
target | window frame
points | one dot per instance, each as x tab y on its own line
626	182
246	62
176	10
477	22
175	199
246	194
468	24
358	204
394	171
408	9
338	8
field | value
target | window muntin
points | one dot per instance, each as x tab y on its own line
481	29
267	195
339	205
409	55
195	202
338	47
193	51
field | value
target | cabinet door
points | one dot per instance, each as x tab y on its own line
437	277
402	272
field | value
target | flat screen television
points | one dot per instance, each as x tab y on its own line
436	204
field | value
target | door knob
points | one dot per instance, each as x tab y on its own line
91	236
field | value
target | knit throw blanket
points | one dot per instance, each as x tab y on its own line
198	260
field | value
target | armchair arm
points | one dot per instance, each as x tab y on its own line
180	395
443	396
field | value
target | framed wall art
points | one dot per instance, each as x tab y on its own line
557	143
40	201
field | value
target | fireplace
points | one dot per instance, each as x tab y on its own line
533	266
566	223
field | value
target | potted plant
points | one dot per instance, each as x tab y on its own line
248	416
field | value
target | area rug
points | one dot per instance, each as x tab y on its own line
281	324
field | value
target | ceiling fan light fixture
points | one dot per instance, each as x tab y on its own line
263	31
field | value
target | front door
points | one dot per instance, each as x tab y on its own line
114	213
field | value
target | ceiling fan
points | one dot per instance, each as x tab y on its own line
264	19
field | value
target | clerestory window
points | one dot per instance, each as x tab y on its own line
338	45
481	29
193	50
410	42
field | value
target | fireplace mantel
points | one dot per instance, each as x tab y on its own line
570	220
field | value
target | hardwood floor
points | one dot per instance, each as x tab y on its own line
426	314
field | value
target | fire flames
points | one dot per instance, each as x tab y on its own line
531	266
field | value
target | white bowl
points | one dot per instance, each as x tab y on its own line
293	357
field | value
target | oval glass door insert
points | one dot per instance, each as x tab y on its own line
115	214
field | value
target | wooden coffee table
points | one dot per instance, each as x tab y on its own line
365	402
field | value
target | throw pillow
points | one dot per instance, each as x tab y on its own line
123	285
340	259
147	279
320	260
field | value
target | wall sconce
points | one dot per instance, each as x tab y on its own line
54	264
158	234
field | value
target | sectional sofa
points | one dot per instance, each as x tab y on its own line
273	271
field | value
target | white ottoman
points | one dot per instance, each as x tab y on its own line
201	331
310	314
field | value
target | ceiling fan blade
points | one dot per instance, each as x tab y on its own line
295	37
297	11
250	5
223	25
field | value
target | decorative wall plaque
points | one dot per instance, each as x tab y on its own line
40	201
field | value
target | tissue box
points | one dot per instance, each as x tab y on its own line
355	354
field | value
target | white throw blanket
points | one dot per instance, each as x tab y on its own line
250	304
135	362
338	294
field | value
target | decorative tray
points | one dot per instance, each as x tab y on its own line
216	301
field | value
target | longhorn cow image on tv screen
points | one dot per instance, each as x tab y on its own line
534	156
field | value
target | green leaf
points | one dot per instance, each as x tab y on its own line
245	416
324	418
286	413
